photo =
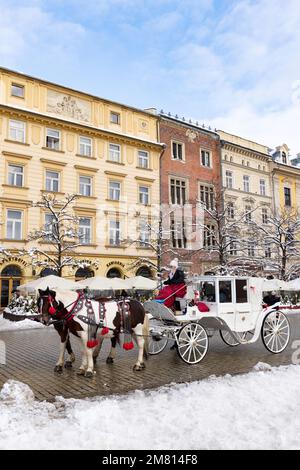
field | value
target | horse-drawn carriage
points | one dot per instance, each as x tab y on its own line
231	305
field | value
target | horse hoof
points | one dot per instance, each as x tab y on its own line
68	365
109	360
138	368
143	366
89	374
81	372
58	369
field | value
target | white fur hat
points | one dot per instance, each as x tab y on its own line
174	263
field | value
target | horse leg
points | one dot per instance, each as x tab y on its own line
90	363
84	361
97	349
71	358
138	334
112	354
63	340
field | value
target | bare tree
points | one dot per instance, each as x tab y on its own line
60	235
280	239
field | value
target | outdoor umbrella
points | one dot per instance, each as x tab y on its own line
102	283
141	283
52	281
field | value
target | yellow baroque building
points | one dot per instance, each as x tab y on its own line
57	140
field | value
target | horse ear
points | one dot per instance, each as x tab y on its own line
40	291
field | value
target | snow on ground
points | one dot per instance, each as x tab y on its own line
7	325
260	410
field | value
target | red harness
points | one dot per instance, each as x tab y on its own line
60	315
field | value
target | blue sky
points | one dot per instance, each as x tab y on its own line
232	64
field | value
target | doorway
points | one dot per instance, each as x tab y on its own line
10	279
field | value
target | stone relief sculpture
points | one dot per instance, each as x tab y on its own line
66	105
191	135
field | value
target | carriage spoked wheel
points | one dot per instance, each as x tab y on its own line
192	341
230	341
157	344
275	332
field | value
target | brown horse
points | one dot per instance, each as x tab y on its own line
71	312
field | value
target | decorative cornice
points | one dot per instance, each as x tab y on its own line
115	173
15	201
16	155
143	178
245	151
46	120
86	168
52	162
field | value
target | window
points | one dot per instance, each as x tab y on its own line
251	249
17	130
246	180
178	236
225	292
143	159
144	195
114	190
287	197
230	211
85	146
52	181
85	186
177	149
264	215
229	179
233	247
14	225
17	90
114	233
284	158
207	197
84	230
206	158
262	185
52	139
248	214
268	250
50	226
114	153
115	118
177	191
241	291
209	238
15	175
144	233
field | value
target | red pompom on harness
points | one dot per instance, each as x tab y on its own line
51	309
92	343
104	331
128	346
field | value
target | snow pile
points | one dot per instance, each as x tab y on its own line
7	325
254	411
16	392
22	305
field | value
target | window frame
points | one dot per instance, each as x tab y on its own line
18	86
86	146
203	161
15	175
50	147
177	143
86	229
53	179
15	222
86	185
17	131
114	152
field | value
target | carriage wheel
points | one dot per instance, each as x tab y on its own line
230	341
275	332
156	344
192	343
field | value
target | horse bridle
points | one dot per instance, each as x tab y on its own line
56	312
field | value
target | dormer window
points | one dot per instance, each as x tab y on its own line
284	158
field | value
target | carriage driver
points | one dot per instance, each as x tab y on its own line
174	286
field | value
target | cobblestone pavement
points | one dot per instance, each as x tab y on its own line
32	354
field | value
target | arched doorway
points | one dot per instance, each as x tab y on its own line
144	271
114	272
48	272
10	279
83	273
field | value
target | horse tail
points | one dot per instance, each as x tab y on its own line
146	335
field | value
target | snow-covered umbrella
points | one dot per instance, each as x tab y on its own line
52	281
294	285
141	283
102	283
274	285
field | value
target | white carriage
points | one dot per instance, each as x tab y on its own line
235	309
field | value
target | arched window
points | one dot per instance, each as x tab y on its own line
114	272
11	271
144	271
84	273
48	272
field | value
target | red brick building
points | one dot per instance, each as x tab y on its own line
190	172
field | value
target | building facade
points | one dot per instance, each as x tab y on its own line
285	180
61	141
190	173
248	189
